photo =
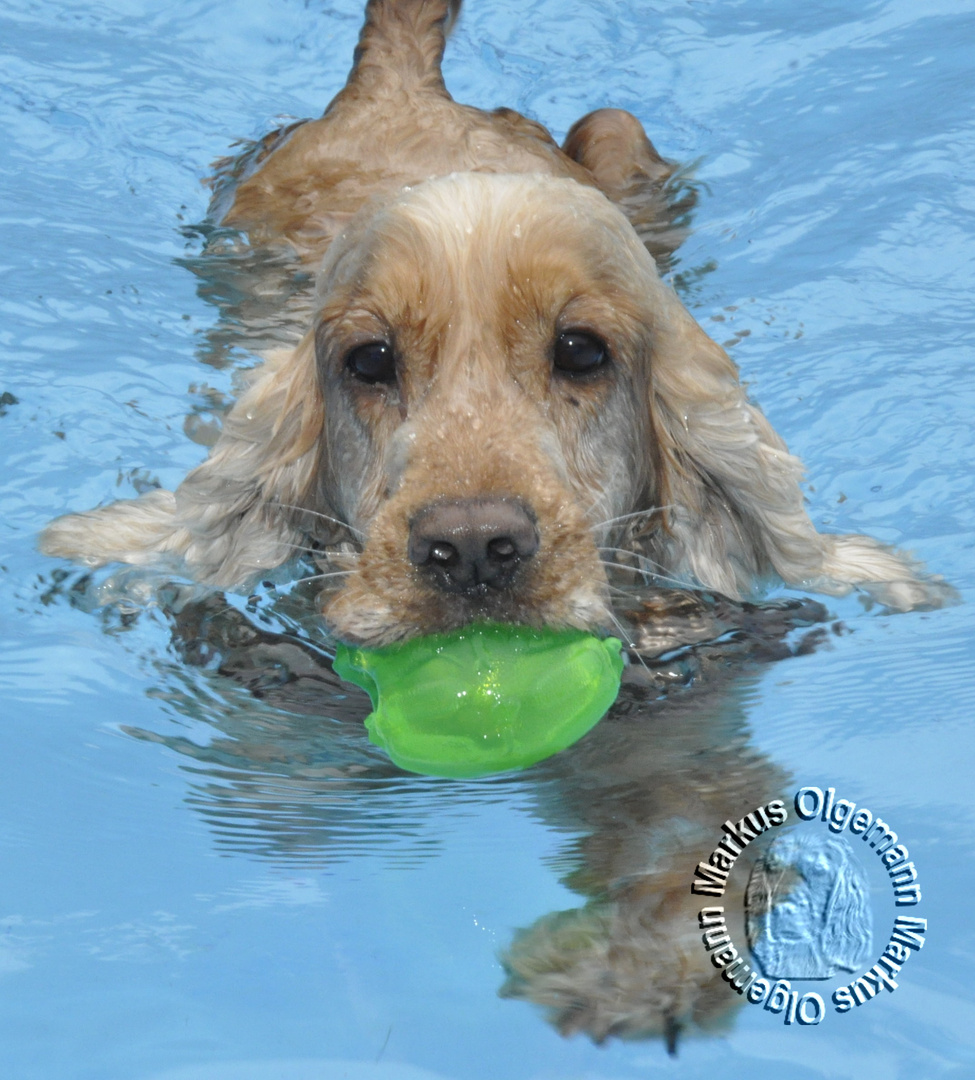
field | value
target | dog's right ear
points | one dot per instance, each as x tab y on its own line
245	509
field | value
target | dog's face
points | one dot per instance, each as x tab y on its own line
483	348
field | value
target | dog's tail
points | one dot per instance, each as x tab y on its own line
402	43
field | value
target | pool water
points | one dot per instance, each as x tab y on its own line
206	871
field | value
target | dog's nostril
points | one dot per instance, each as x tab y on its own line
472	545
443	553
502	549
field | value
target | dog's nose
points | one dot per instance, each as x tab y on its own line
470	545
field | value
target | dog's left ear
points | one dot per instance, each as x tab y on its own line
734	512
245	509
624	164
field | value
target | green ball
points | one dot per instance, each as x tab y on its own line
484	698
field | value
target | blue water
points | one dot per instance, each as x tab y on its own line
199	884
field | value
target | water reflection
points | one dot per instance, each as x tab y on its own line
276	754
279	766
648	796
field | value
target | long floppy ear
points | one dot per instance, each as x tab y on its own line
734	510
237	513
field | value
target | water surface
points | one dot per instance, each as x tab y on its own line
202	879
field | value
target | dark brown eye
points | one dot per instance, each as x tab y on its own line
578	352
372	363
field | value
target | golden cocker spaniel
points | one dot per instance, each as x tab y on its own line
496	386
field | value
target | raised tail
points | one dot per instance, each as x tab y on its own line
401	44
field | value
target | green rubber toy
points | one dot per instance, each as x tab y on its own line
486	698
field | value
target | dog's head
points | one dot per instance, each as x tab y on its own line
496	376
483	351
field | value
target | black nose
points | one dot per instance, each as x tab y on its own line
471	545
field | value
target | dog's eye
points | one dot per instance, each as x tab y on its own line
373	362
578	352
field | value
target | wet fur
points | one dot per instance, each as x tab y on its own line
472	275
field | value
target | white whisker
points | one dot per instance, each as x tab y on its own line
307	550
320	577
626	517
630	645
634	554
617	591
324	517
644	571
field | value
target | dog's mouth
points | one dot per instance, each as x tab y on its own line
456	561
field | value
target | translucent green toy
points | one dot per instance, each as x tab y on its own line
484	698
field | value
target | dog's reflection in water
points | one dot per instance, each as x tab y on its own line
650	792
645	794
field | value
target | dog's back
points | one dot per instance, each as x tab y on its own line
394	124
